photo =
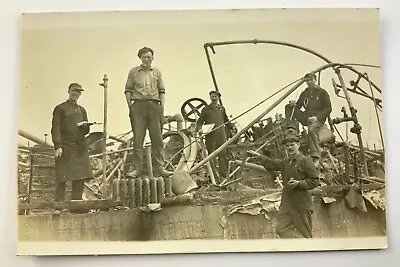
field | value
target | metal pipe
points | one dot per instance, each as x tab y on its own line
255	41
149	161
376	111
355	120
251	165
104	84
364	94
33	138
239	133
179	121
211	69
257	150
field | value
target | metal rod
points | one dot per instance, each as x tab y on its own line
258	149
364	94
104	84
355	120
33	138
211	67
149	161
255	41
376	111
239	133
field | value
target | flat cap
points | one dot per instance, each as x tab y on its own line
290	138
215	92
76	86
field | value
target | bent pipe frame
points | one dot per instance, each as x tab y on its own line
211	45
276	103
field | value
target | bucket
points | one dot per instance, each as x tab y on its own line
182	183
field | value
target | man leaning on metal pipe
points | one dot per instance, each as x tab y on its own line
145	96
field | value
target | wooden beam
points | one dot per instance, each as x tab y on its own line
177	200
72	204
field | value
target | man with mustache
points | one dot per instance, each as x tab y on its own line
69	127
214	113
299	175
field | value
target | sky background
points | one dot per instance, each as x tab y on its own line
60	48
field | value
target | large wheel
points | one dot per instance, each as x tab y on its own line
191	108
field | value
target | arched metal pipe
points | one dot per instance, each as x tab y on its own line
211	45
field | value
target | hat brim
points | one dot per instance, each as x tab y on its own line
290	140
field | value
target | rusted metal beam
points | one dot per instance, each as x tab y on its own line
33	138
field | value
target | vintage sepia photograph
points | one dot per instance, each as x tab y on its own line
200	131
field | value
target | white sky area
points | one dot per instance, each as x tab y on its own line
58	49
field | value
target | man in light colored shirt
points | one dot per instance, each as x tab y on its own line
145	96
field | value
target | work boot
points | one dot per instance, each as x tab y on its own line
162	172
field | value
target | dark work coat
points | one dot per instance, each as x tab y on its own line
214	114
298	201
74	164
316	102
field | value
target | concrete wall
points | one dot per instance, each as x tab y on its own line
192	222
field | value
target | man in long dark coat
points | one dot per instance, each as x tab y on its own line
299	175
69	127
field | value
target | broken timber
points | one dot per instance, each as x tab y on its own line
102	204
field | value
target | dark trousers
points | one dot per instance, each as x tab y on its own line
294	223
213	141
77	190
313	140
147	115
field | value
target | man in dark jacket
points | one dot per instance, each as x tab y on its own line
214	113
299	175
69	127
317	107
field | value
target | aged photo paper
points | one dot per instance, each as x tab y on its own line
197	131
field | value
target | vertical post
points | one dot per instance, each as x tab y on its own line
376	112
104	84
357	127
149	161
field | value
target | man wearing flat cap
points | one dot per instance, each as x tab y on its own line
145	96
317	107
299	175
68	130
214	113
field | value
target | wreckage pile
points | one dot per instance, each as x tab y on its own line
340	169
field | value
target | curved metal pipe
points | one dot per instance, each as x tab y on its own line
186	151
211	45
193	153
